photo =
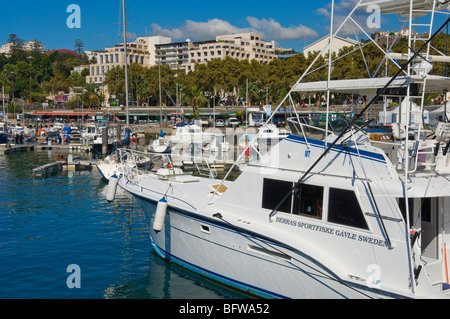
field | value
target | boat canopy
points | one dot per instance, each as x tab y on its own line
434	84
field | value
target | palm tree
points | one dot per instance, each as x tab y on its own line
254	92
194	95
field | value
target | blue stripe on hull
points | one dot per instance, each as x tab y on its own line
226	280
215	276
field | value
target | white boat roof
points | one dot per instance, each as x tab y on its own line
434	84
442	109
402	7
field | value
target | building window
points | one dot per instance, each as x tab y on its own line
117	58
273	192
344	209
101	59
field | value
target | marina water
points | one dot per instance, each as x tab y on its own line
50	223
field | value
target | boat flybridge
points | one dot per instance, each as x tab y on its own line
331	211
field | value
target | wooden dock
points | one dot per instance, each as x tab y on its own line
63	165
4	149
47	169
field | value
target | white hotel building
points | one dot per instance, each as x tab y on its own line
243	46
27	46
141	51
150	51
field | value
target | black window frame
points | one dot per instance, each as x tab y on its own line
308	201
273	192
301	198
344	209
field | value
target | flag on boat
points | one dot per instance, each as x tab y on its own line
268	109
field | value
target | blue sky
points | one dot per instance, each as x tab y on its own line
292	24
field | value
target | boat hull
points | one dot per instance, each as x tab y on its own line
268	269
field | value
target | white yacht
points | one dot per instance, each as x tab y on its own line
112	164
161	145
327	212
185	134
270	134
339	233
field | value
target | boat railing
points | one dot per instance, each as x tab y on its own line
129	163
205	169
314	125
420	154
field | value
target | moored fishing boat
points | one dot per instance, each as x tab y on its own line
327	212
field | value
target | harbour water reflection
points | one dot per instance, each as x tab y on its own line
50	223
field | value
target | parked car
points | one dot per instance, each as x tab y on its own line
280	122
220	123
233	122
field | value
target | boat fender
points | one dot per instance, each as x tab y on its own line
112	187
160	215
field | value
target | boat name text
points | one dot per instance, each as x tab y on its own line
332	231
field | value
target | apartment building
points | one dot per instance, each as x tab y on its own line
150	51
244	46
27	46
115	56
141	51
250	45
175	54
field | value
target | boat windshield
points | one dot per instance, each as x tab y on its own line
314	125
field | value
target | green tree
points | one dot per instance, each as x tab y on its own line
79	45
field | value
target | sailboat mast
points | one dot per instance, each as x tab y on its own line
126	61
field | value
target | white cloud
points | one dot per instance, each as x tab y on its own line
341	10
271	29
323	12
199	30
268	28
131	35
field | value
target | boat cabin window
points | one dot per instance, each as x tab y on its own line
304	200
273	192
344	209
308	200
424	209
